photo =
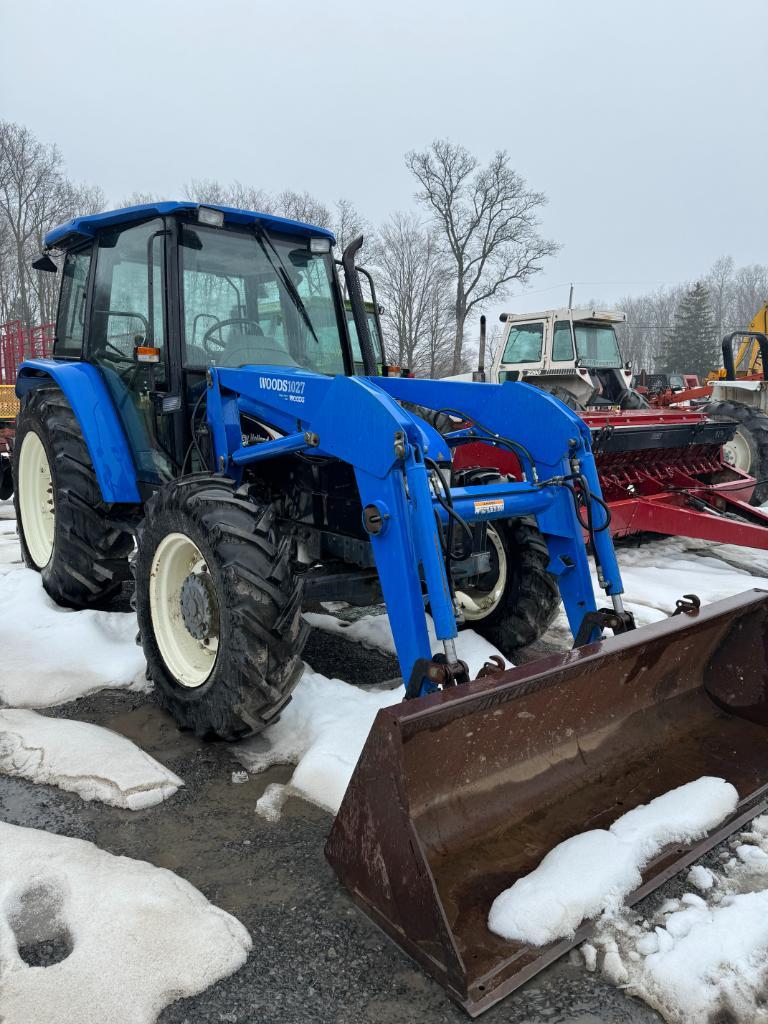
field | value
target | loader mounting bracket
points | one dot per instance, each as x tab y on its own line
603	618
438	671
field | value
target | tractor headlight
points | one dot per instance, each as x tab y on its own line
212	218
319	245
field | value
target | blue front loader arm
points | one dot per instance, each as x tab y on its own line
359	421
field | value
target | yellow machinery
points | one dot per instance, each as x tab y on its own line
748	361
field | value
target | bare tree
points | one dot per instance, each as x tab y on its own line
719	282
35	195
750	293
650	316
144	198
242	197
414	286
29	171
487	217
347	224
304	207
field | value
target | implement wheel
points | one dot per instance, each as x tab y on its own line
68	534
748	450
219	608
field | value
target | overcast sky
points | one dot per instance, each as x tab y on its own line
643	122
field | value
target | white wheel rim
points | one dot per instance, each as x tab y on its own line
737	452
478	604
36	503
190	661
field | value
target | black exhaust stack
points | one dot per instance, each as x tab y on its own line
358	306
479	374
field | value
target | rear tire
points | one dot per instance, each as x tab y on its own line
225	663
75	543
749	449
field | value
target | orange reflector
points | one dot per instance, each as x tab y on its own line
147	354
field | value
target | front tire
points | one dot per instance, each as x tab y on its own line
68	534
631	399
565	397
218	606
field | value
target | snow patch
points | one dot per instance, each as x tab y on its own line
131	938
702	957
93	762
322	732
592	872
44	647
10	552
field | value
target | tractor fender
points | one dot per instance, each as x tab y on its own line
95	412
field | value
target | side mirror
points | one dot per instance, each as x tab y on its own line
45	263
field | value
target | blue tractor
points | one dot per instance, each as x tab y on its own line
211	423
205	400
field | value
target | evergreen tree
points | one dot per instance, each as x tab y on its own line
692	344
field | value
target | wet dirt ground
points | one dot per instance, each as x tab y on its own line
315	957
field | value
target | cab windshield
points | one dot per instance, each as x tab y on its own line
258	298
596	346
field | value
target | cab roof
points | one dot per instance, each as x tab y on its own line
87	227
608	316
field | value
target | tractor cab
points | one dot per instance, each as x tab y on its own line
574	353
156	295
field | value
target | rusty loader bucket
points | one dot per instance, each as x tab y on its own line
458	794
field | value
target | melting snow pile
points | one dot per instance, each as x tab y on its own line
592	873
129	938
703	957
95	763
322	732
52	655
323	729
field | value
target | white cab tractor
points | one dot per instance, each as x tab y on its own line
572	353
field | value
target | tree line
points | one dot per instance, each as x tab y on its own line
679	329
472	235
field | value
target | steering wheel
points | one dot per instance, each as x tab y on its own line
226	323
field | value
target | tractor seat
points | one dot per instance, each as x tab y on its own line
246	348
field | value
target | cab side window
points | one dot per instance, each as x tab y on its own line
562	343
70	320
524	344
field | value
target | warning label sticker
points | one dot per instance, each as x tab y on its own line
485	507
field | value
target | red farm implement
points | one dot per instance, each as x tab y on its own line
662	471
